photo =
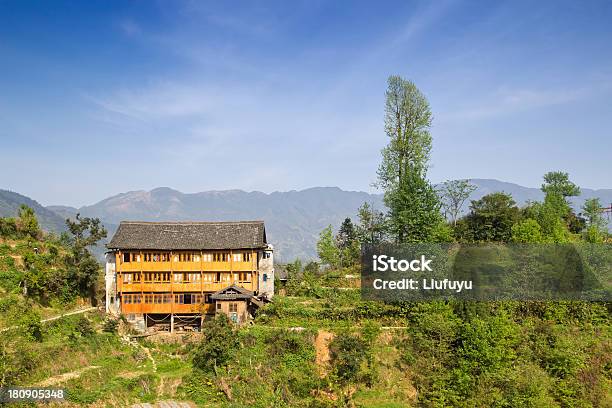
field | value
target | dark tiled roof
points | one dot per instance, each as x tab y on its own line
189	235
232	293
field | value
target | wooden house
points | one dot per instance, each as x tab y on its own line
173	274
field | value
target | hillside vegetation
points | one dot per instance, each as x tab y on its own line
319	345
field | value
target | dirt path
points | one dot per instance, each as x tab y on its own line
322	355
74	312
64	377
50	319
146	350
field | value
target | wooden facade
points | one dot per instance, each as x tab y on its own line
180	281
157	271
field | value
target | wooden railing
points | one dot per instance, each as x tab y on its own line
187	266
169	262
205	308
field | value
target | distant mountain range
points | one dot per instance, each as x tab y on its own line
48	219
293	219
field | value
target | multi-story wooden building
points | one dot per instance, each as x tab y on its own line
171	273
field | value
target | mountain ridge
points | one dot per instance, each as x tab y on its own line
293	218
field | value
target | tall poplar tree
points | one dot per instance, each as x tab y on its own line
414	207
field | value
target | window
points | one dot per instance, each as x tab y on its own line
218	306
267	255
176	258
265	277
220	257
207	257
186	257
237	258
233	307
126	257
196	258
131	277
131	299
207	298
147	257
246	257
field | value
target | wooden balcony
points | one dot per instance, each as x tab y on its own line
187	266
186	261
166	287
205	308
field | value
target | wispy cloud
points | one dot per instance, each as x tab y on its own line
508	101
130	27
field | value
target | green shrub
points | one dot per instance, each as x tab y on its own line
218	345
347	352
110	325
84	327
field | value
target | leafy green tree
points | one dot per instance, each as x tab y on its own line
527	231
453	194
371	227
82	266
412	201
27	223
558	182
592	211
596	223
346	234
294	277
555	215
414	214
219	342
327	250
8	227
347	243
491	219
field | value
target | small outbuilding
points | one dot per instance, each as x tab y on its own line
235	302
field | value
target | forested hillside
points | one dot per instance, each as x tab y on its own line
10	203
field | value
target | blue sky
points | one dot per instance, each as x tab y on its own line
98	98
